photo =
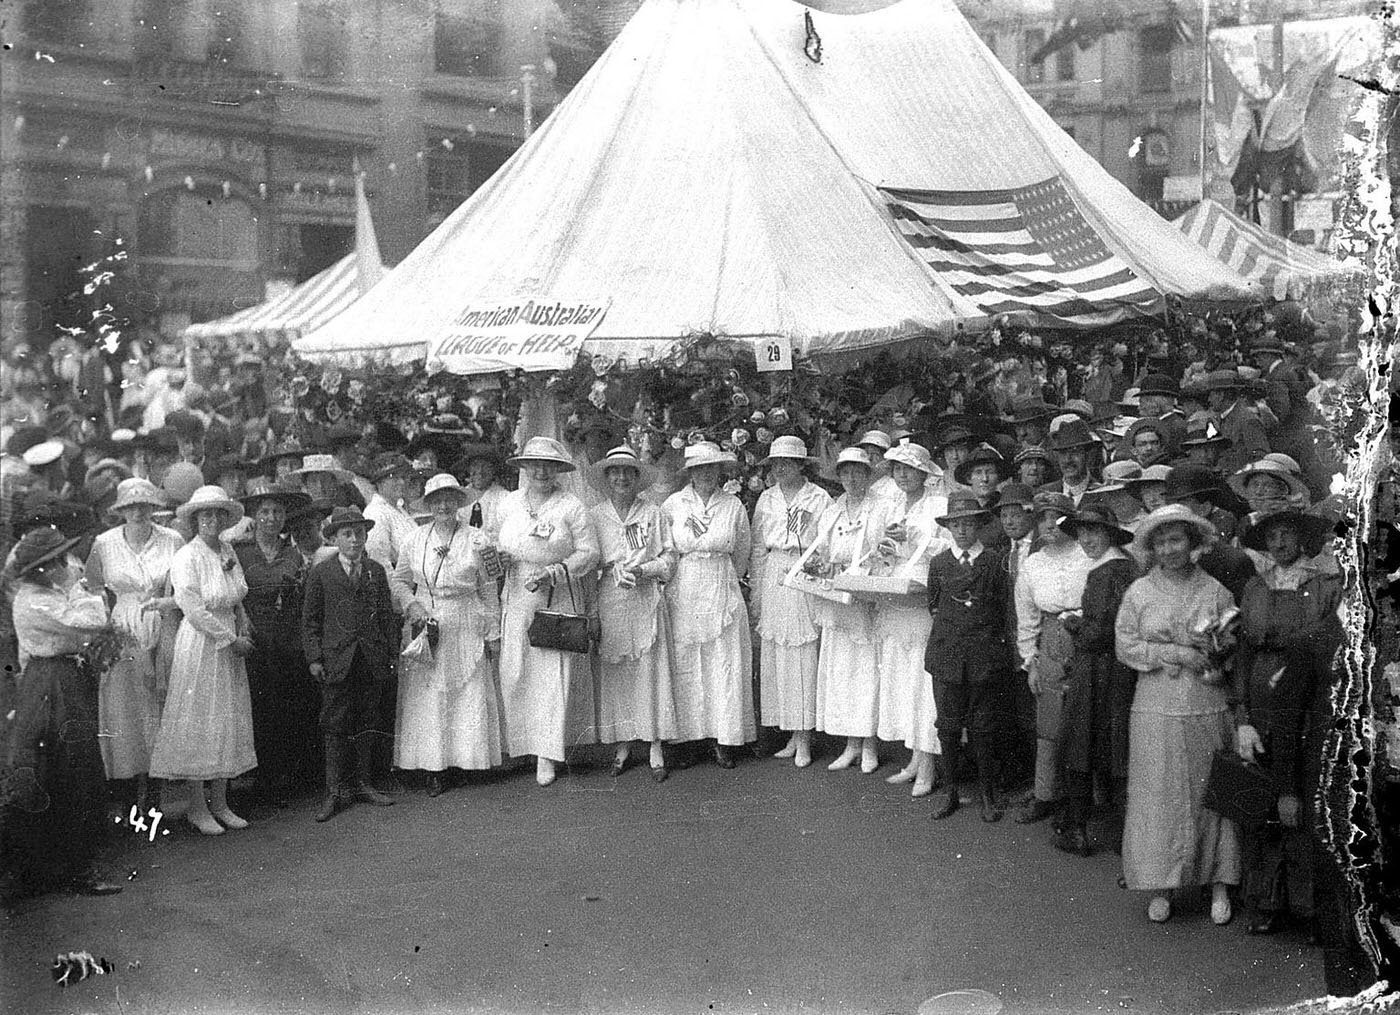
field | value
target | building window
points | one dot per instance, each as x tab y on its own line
158	27
322	35
199	225
1064	63
1155	59
225	41
464	47
449	179
1034	39
56	20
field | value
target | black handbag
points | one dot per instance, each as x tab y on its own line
554	629
1240	790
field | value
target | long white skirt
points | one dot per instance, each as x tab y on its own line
713	677
906	709
848	678
206	730
787	649
448	717
636	696
547	695
128	712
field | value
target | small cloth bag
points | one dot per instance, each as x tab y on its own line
554	629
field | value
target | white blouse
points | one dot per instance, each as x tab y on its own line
712	528
53	622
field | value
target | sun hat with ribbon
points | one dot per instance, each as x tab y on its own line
1168	515
543	449
1297	489
963	506
324	463
445	481
263	488
706	453
131	492
1096	513
37	547
343	516
916	456
622	457
787	448
208	498
875	439
1117	476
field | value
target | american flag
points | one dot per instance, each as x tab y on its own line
1023	250
797	519
636	535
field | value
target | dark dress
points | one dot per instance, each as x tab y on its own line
1286	645
1099	689
285	698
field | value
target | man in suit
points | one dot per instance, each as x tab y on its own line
1076	452
968	653
1249	441
1157	398
350	635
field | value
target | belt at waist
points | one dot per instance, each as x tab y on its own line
705	554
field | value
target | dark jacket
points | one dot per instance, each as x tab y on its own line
968	640
1098	688
1230	566
338	617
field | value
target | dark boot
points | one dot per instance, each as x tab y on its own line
335	778
364	757
1073	836
986	774
947	764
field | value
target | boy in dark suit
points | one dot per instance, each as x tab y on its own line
968	654
350	636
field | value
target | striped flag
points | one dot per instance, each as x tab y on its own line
1027	250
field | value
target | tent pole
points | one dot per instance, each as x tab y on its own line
1205	93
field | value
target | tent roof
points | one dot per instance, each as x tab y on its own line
707	177
298	311
1280	268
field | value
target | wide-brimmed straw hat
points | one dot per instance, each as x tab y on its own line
37	547
343	516
1168	515
706	453
543	449
963	506
265	489
131	492
1096	514
208	498
445	481
875	438
107	465
916	456
854	455
983	454
1152	474
324	463
623	457
1312	529
787	448
1268	467
1117	476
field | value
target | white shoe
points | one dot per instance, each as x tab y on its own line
205	823
789	751
229	819
803	758
905	774
846	760
869	760
1159	910
544	771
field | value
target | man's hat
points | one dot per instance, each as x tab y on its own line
185	424
949	436
1051	500
1072	433
343	516
963	506
1224	380
1204	428
1029	410
1016	494
390	463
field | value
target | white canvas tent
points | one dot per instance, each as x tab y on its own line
708	176
1281	269
306	307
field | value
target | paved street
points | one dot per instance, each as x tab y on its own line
764	889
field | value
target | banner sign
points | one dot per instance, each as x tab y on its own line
773	353
527	333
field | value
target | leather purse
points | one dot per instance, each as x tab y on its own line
1240	790
554	629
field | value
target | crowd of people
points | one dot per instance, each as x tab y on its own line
1083	604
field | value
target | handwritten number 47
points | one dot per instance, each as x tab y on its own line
137	821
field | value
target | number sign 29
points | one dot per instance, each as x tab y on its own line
773	352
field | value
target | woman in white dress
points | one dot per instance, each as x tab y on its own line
902	623
133	560
636	700
449	709
713	655
548	547
785	523
848	675
206	730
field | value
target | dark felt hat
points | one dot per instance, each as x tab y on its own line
343	516
1096	513
983	454
963	506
